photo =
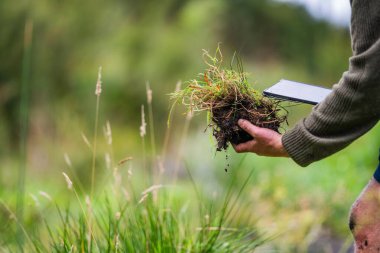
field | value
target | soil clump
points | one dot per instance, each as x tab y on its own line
227	97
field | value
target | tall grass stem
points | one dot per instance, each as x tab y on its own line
149	94
24	118
185	131
168	129
142	135
98	91
19	223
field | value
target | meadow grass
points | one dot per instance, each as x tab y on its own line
297	204
24	118
154	221
125	212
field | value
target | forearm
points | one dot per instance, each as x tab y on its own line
354	105
305	147
348	112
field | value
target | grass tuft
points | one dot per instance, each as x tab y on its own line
226	94
128	216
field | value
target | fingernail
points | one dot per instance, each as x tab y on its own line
240	121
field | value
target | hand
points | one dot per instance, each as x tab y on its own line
266	142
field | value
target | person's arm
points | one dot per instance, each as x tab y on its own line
353	107
349	111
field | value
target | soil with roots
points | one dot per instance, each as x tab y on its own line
227	112
226	94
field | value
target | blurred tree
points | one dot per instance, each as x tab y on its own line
11	47
269	31
139	41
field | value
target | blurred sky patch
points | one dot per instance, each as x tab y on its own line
335	11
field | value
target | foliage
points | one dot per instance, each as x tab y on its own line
122	220
160	41
155	41
154	221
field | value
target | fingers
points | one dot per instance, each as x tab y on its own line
254	131
266	141
248	146
249	127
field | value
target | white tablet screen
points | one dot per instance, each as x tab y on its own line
299	92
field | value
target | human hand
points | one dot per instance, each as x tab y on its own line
265	142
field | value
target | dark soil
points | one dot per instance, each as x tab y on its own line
225	117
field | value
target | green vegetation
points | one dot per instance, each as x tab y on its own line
119	219
300	209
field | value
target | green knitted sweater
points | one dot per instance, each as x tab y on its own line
353	107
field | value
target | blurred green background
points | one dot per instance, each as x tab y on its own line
161	42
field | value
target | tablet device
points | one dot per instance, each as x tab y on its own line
297	92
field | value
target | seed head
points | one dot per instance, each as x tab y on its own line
68	181
149	93
98	88
108	133
124	160
117	243
67	159
88	203
45	195
143	198
107	158
178	86
117	178
152	189
126	194
143	123
130	173
35	199
86	141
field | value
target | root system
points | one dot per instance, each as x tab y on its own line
226	95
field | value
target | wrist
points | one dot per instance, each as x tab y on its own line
283	152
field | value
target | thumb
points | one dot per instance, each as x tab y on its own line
248	127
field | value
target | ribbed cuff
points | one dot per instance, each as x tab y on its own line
298	146
376	175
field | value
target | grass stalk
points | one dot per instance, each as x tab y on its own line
98	91
154	170
24	118
87	218
93	167
20	225
151	222
185	131
142	134
168	129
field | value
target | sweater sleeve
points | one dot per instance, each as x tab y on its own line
353	107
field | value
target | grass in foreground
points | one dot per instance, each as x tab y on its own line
154	221
121	219
162	218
